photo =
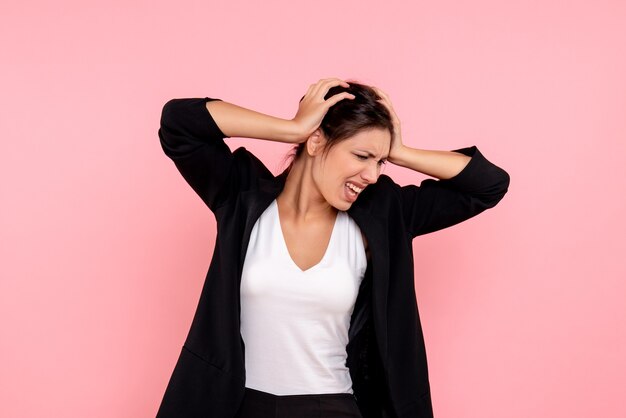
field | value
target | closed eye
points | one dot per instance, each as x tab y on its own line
365	157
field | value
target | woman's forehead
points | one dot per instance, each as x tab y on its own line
376	141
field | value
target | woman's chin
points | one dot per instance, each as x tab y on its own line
345	207
344	201
343	204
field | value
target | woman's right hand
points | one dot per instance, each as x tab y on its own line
313	107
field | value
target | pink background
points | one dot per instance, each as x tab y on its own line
104	247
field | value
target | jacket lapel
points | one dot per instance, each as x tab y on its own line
257	200
373	227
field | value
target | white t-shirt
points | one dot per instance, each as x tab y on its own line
295	323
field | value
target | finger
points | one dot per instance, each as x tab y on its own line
386	103
308	92
378	90
334	80
385	100
316	86
389	107
326	84
337	97
381	93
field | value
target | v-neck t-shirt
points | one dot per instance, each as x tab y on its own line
295	323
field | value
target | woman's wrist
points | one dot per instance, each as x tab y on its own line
291	132
397	155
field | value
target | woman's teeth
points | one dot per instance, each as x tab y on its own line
355	189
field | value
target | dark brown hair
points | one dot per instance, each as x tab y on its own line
348	117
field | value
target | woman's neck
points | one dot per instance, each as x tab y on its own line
301	199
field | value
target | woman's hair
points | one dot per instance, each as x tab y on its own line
348	117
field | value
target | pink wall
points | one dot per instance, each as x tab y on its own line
104	247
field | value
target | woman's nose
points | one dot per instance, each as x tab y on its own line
370	173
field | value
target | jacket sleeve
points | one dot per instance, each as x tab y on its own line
438	204
191	138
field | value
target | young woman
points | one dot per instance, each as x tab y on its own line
308	308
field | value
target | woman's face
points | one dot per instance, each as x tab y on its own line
350	166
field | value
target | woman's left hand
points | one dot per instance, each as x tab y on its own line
438	164
396	141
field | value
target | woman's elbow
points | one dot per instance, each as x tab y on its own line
500	186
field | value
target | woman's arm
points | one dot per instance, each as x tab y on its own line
238	121
192	140
439	164
468	183
192	134
438	204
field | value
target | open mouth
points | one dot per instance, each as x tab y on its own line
353	190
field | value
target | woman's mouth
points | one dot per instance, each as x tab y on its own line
352	191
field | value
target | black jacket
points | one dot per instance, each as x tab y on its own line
386	352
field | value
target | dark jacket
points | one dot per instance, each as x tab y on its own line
386	352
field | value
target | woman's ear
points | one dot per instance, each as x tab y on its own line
315	143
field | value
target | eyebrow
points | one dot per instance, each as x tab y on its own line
372	155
